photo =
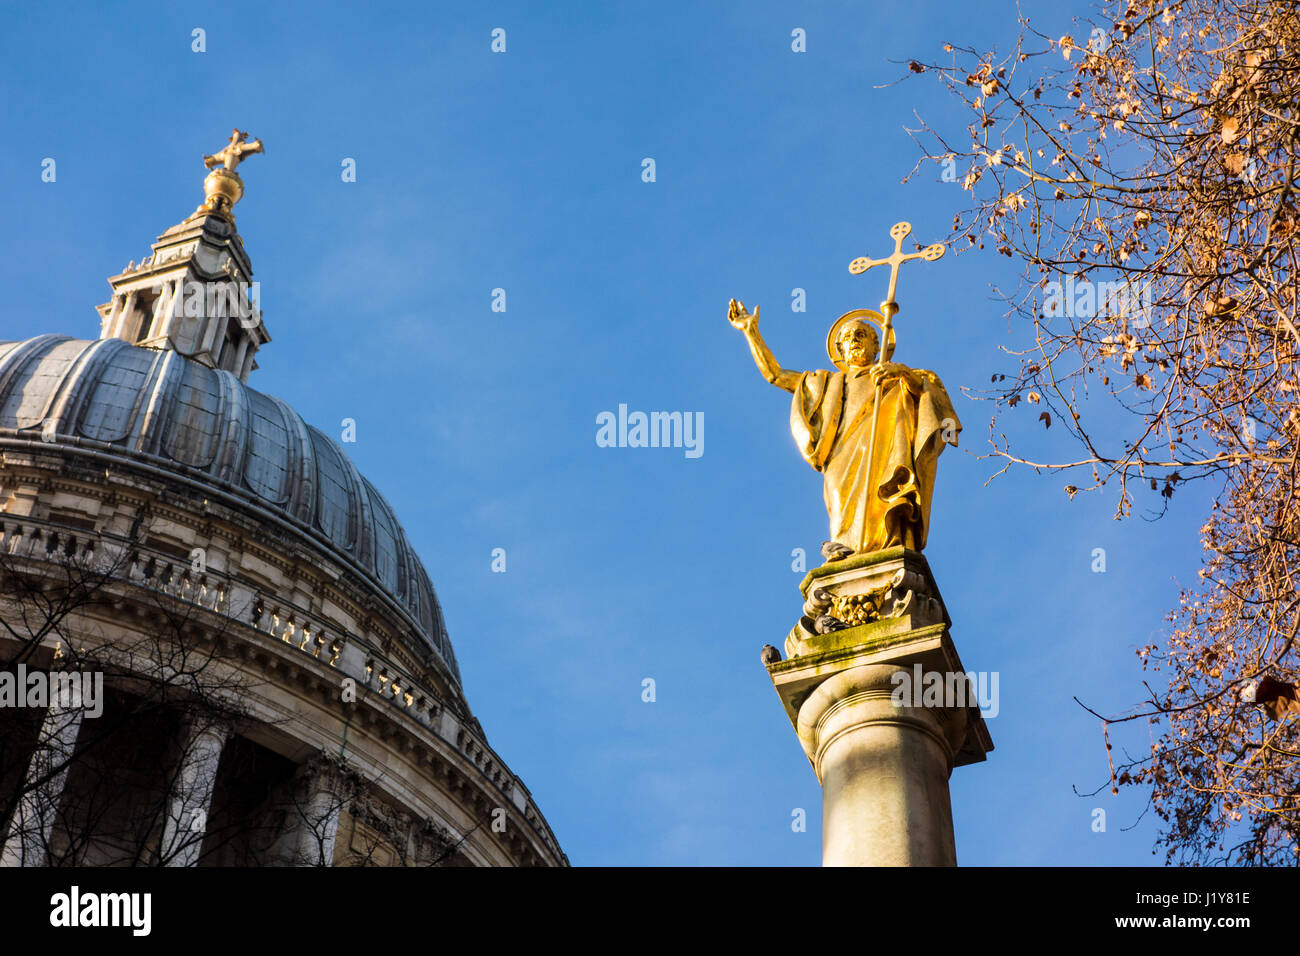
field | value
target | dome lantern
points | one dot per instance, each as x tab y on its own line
195	293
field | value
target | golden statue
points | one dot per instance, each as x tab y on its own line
874	428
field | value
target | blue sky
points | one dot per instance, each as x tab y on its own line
522	171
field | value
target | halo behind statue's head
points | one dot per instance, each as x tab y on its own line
869	315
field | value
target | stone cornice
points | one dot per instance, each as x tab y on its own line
26	455
283	656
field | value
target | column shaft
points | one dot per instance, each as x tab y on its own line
33	822
884	772
191	797
122	328
312	818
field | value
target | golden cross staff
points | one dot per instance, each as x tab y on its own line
888	309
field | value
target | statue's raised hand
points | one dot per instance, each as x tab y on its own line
741	319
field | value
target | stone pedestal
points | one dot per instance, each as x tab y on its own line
883	708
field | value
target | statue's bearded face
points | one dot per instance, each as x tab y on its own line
858	344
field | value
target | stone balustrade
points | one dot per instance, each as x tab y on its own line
225	594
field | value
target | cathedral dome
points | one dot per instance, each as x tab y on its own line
156	409
278	684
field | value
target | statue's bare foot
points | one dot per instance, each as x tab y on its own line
834	551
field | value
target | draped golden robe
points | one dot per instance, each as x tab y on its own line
884	504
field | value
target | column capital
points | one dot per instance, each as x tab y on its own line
323	786
327	773
865	695
860	663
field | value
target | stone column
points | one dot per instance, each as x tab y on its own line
110	321
883	769
124	319
164	312
34	818
191	796
882	708
321	789
214	332
237	364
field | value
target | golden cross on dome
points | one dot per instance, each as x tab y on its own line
234	152
899	231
